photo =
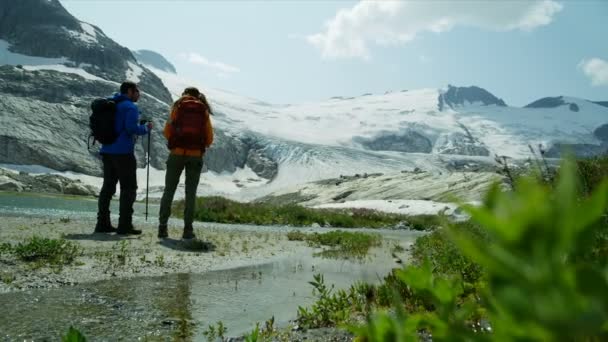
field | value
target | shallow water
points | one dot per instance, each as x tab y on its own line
181	305
174	306
57	206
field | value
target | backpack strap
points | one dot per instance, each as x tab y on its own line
89	142
124	123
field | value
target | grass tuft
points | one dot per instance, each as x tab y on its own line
222	210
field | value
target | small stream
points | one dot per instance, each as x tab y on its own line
55	206
178	305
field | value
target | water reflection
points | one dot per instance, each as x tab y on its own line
181	306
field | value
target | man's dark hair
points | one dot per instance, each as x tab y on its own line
125	86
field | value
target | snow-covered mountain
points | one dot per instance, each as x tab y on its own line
404	130
49	35
454	120
52	66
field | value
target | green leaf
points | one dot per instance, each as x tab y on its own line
73	335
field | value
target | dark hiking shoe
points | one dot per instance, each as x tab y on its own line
131	231
105	229
163	232
188	233
104	225
127	230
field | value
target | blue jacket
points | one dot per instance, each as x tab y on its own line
127	125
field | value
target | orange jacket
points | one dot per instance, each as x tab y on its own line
208	132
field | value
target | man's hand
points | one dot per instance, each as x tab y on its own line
149	125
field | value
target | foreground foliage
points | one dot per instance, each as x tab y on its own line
73	335
531	265
538	282
43	251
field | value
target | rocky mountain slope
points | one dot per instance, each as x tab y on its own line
53	65
405	185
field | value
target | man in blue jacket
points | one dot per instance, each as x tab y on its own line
119	163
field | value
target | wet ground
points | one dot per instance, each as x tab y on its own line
245	286
180	304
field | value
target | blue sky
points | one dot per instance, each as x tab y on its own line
301	51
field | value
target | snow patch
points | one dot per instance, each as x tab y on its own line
82	36
403	207
43	63
133	72
89	29
10	58
68	70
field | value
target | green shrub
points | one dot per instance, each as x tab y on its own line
222	210
5	248
535	283
47	251
445	256
254	336
342	244
592	171
73	335
330	309
296	235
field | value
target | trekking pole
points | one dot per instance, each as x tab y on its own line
148	175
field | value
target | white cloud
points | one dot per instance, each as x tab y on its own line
352	30
195	58
596	69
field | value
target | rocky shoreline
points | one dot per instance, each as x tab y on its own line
44	183
108	256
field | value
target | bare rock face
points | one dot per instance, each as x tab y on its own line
226	154
154	59
9	184
262	165
44	114
461	144
79	189
230	152
49	183
458	96
408	141
46	29
553	102
44	120
601	133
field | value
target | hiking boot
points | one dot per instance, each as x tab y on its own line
125	226
104	224
163	232
127	231
188	233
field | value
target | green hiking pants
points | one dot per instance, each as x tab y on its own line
175	165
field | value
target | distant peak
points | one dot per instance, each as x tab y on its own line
553	102
460	96
601	103
547	102
154	59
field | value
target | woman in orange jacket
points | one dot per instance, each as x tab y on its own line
189	133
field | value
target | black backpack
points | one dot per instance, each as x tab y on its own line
102	121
